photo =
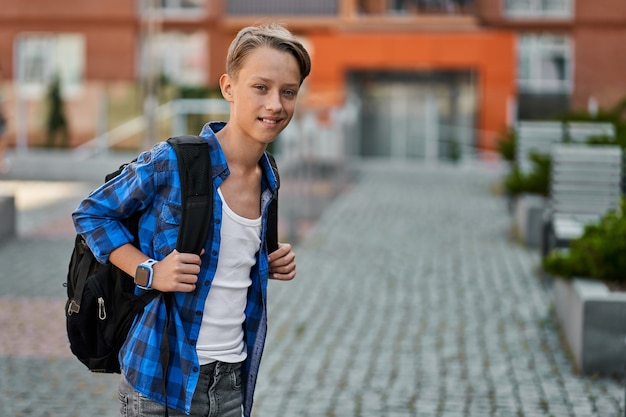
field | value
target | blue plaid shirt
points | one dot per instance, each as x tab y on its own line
153	184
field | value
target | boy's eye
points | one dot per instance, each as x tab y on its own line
290	93
260	87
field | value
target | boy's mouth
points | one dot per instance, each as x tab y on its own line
269	121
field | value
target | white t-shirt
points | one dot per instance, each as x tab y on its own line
221	331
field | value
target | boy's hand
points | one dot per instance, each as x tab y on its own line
283	263
178	272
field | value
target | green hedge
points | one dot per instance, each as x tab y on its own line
600	253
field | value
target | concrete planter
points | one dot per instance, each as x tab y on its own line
8	217
593	320
528	214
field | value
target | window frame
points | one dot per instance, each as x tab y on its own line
536	55
174	9
538	9
169	61
48	47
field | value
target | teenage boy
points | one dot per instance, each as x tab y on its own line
219	298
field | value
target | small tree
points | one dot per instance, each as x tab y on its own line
57	122
506	145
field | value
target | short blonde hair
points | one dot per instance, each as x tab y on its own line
273	36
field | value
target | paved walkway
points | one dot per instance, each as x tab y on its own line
410	301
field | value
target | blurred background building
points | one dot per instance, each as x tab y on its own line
420	79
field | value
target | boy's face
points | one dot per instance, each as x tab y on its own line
263	94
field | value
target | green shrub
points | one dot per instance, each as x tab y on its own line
506	145
455	152
615	116
600	253
185	91
195	122
608	140
535	182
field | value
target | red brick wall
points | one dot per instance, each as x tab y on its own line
599	65
601	11
109	27
489	11
600	58
66	9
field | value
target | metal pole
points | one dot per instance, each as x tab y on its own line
21	119
151	100
432	128
102	125
21	108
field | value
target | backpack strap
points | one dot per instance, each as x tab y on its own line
271	237
274	168
196	190
196	182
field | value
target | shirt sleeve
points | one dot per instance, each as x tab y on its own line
99	217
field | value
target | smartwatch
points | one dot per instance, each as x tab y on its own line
144	273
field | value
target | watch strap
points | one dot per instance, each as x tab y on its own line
148	265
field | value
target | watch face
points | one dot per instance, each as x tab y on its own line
142	276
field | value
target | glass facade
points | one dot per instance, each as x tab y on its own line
423	115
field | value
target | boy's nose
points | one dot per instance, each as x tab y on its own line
274	102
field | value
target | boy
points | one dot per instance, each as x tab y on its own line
219	297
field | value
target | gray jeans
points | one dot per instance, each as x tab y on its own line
218	394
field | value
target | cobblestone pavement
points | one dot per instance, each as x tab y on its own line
410	301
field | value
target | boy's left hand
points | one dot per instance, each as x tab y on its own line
283	263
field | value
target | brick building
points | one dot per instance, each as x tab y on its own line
570	52
456	70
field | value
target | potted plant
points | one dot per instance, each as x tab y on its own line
528	193
590	294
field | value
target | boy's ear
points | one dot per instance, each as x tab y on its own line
226	86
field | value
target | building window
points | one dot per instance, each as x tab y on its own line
40	57
180	58
547	9
431	6
282	7
544	63
174	8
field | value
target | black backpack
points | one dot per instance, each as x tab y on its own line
102	305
